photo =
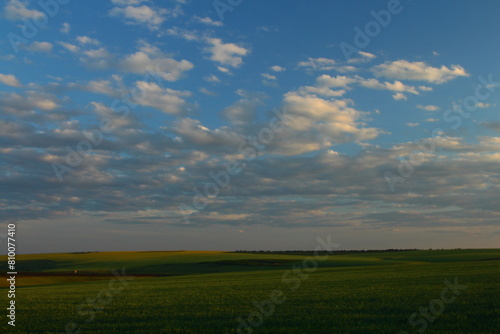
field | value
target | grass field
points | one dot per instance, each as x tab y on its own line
219	292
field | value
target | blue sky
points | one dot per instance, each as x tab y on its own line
222	125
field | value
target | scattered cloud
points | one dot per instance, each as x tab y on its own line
227	54
144	15
18	10
208	21
9	80
429	107
420	71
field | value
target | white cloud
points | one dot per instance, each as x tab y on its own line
277	68
482	105
69	46
412	125
396	86
188	35
87	40
65	29
399	97
40	47
18	10
208	21
168	100
428	108
224	70
228	54
211	78
141	15
325	64
9	80
318	64
403	69
365	57
127	2
150	58
269	76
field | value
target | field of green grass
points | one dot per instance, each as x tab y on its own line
220	292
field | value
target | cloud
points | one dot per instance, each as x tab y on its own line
269	76
482	105
400	97
244	110
69	46
228	54
18	10
492	125
144	15
128	2
66	28
9	80
151	59
277	68
211	78
396	86
365	57
412	125
167	100
428	108
208	21
318	64
40	47
420	71
325	64
87	40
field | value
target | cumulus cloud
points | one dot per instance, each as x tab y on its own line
428	107
152	59
227	54
144	15
419	71
66	28
325	64
39	47
9	80
18	10
277	68
208	21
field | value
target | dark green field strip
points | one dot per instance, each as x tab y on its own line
337	299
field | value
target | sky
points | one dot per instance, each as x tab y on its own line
233	124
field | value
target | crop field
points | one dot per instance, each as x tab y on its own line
433	291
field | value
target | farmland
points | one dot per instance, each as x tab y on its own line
222	292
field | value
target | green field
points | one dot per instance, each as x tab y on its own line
219	292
